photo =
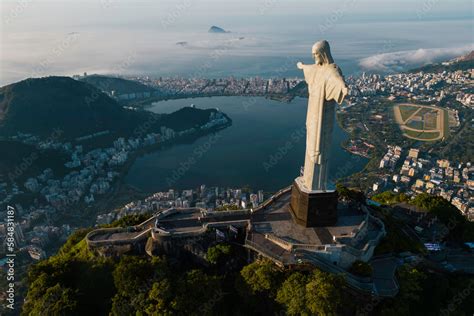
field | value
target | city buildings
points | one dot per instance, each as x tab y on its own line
91	176
454	181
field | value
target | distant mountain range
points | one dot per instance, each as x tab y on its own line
39	106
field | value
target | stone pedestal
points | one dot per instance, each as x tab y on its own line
313	208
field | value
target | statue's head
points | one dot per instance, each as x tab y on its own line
322	53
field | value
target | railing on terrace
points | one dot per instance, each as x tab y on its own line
293	246
91	241
264	252
273	198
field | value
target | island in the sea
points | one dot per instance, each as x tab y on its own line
217	29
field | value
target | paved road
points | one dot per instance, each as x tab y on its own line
384	274
463	262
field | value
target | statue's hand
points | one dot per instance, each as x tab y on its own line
299	65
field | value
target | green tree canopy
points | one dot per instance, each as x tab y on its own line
197	294
389	197
323	293
216	254
261	277
55	301
86	281
316	294
134	277
292	294
159	299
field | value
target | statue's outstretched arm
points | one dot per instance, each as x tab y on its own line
300	65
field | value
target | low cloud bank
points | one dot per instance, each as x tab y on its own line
404	60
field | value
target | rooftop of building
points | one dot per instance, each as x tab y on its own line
276	219
194	219
273	227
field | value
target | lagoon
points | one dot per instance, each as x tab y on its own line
264	148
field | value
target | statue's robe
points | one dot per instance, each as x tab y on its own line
326	86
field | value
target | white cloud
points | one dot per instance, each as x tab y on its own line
403	60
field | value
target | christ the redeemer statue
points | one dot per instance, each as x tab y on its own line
326	86
313	203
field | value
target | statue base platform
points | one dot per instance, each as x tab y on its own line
313	208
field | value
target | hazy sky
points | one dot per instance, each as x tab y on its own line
41	37
42	14
81	12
